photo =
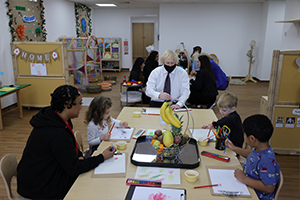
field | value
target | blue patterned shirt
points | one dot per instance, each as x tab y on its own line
261	165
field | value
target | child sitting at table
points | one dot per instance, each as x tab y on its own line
260	170
99	122
227	104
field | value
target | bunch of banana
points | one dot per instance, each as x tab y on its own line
166	114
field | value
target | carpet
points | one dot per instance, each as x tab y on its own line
86	101
237	82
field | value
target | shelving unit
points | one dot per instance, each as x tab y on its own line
110	49
295	21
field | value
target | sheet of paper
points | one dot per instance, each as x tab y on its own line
228	182
121	133
114	165
146	193
169	176
7	89
38	69
201	134
152	112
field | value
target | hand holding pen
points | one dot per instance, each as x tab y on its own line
108	152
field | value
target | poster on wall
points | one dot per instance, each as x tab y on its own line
83	20
38	69
125	47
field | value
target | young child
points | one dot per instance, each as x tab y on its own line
260	171
99	122
227	104
194	57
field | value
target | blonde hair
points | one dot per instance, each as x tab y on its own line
167	55
227	100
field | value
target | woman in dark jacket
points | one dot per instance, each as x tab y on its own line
203	88
136	73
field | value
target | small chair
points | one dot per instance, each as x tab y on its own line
278	186
215	58
79	141
8	169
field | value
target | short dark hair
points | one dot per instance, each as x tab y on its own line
64	95
259	126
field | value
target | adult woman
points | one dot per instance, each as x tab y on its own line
168	82
203	88
51	161
150	64
136	72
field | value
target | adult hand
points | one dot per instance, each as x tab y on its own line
108	152
105	137
164	96
229	144
239	175
175	106
193	73
209	126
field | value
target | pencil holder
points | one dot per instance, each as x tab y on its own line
220	144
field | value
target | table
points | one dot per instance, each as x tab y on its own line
16	90
86	187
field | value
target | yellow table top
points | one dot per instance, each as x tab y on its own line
86	187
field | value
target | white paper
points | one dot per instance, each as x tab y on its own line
38	69
228	182
119	133
169	176
152	112
201	134
114	165
147	193
86	101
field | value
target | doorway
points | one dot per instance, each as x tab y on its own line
142	36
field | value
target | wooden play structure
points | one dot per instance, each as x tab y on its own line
84	60
282	105
44	66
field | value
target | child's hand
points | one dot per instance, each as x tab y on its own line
105	137
175	106
239	175
229	144
108	152
209	126
124	124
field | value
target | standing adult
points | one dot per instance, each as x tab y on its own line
168	82
203	87
51	160
150	64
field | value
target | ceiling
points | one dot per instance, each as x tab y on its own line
155	3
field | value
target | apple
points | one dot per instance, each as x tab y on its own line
160	138
177	139
158	132
156	144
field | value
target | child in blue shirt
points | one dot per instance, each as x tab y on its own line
260	171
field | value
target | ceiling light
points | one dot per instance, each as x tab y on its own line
106	4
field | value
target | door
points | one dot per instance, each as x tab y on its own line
142	36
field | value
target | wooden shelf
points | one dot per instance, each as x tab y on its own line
289	21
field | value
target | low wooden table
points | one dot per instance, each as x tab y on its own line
10	90
86	187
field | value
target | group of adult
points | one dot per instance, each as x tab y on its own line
170	82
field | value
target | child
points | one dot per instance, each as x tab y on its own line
99	122
227	104
260	171
194	57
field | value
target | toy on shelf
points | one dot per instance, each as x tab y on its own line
131	83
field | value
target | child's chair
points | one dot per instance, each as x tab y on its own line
278	186
215	58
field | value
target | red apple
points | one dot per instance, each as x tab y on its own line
158	132
177	139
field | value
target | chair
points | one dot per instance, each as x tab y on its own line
8	169
79	141
215	58
278	186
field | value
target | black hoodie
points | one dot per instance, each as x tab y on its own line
50	165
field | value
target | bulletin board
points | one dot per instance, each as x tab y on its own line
286	122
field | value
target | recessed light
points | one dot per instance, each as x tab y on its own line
106	4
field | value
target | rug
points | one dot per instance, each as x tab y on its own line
237	82
86	101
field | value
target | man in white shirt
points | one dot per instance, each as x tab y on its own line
176	89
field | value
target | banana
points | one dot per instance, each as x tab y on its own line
174	121
163	112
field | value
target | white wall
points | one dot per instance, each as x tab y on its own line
114	22
60	19
291	31
224	29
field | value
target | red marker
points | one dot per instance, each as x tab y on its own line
204	186
111	128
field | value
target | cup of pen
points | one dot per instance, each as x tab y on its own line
220	143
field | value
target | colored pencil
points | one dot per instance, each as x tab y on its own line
204	186
111	128
208	138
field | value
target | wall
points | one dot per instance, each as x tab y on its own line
60	19
114	22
